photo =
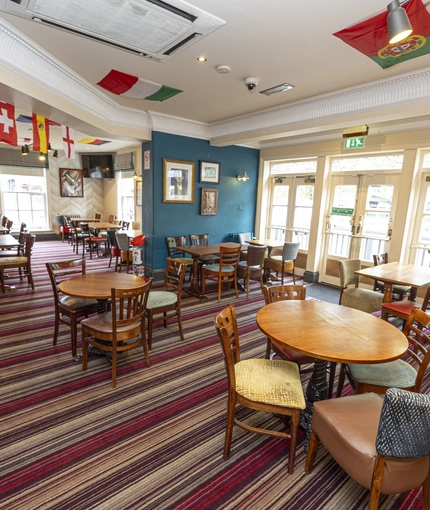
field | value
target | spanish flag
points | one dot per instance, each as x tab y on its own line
40	133
371	37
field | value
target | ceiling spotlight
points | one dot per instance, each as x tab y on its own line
42	156
202	59
24	150
398	24
55	154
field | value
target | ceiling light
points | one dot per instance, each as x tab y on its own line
24	150
243	177
278	88
398	24
42	157
202	59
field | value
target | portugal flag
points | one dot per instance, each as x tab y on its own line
40	133
371	37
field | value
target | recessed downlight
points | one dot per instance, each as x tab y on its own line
202	59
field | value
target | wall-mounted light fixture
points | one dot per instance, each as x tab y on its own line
24	150
55	154
136	175
243	177
398	24
50	148
42	156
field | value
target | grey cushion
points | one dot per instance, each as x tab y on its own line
161	298
215	268
395	374
362	299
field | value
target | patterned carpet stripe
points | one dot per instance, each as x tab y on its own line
69	441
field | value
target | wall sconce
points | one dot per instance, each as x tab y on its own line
24	150
55	154
50	148
243	177
398	24
42	157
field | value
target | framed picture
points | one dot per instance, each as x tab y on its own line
209	202
209	172
138	193
178	182
71	182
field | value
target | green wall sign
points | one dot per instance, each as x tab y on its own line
354	143
342	211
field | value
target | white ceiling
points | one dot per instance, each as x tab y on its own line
272	40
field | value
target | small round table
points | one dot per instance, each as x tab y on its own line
329	332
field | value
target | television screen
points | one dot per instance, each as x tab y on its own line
98	166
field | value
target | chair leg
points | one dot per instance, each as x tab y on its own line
144	344
181	334
84	349
375	489
74	333
114	356
295	420
203	278
30	276
312	452
2	281
341	381
231	404
236	288
150	326
268	349
56	328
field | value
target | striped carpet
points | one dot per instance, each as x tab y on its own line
70	441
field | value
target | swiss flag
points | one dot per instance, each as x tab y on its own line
8	132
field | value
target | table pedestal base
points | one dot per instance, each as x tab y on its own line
316	390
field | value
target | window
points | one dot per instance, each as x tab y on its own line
126	197
24	198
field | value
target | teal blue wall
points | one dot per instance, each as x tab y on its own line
160	220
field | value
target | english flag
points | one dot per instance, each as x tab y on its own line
40	133
126	85
371	37
68	141
8	133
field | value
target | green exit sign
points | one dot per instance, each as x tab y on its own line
354	143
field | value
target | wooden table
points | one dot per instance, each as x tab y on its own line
202	251
8	242
103	225
329	332
84	219
270	245
395	273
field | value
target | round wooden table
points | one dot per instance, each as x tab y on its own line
329	332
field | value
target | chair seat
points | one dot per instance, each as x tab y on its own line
7	261
98	239
159	298
103	323
184	260
404	307
215	268
354	448
394	374
362	299
243	264
273	382
74	303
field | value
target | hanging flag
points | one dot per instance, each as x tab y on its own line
371	37
93	141
68	141
40	133
8	133
134	87
28	120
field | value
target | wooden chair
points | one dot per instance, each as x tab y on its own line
98	217
9	224
164	305
173	245
111	218
62	226
125	225
399	291
113	247
72	232
383	444
285	262
121	329
252	267
3	221
203	240
399	373
78	235
361	299
92	243
69	310
258	384
402	309
223	272
124	246
19	262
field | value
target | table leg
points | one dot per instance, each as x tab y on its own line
316	390
388	294
194	289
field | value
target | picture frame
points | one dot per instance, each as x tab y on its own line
138	192
209	171
209	202
178	182
71	183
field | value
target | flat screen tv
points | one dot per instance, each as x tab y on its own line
98	166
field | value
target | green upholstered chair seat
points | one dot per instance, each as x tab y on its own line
243	264
215	268
273	382
74	303
276	257
394	374
160	298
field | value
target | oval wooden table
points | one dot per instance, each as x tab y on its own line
329	332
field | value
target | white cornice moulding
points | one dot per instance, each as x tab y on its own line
23	56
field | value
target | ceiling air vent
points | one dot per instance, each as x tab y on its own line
152	28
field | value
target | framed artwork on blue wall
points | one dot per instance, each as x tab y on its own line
178	182
209	202
209	171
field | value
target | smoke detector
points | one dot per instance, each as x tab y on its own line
223	69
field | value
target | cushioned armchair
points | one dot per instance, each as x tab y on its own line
361	299
252	267
384	445
285	262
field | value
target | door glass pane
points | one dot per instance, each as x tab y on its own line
380	197
280	195
424	236
427	201
344	196
302	217
305	195
376	224
279	216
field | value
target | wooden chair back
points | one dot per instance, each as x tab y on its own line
283	292
112	217
199	239
228	257
228	334
3	221
63	270
98	216
416	331
174	275
173	245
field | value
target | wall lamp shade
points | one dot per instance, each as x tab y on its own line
398	24
24	150
243	177
55	154
42	156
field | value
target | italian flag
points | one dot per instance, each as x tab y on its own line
371	37
134	87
